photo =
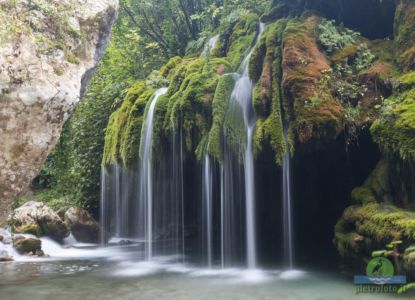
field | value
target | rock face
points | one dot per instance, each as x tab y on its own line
83	227
36	218
48	52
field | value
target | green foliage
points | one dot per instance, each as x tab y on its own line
364	58
332	38
405	288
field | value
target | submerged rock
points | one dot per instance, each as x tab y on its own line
83	227
38	219
4	256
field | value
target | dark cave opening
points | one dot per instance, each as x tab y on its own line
374	19
322	186
322	182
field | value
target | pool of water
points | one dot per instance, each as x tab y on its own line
118	274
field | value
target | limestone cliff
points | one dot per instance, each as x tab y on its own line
48	51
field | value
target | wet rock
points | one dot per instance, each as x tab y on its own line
7	240
83	227
4	256
29	246
38	219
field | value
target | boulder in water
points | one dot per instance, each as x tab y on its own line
83	227
38	219
30	246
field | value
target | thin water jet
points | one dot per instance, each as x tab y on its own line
146	172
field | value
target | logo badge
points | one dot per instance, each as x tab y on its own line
380	267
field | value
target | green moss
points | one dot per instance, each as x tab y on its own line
407	81
160	135
382	223
130	139
344	54
219	108
304	81
257	57
242	38
395	130
120	138
267	94
190	101
71	58
30	229
405	33
167	70
58	70
363	195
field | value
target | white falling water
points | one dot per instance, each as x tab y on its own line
207	203
210	45
242	95
222	218
287	207
146	174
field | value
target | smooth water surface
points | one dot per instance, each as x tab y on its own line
117	274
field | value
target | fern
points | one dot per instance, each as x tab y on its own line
332	39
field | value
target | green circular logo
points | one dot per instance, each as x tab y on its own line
380	266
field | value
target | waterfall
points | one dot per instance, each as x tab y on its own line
177	188
210	45
287	206
241	106
208	208
222	219
146	172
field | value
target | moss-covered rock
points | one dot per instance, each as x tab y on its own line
36	218
219	108
314	113
377	218
267	91
235	42
395	130
28	245
405	33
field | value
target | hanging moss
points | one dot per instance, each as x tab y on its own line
117	123
314	114
190	104
266	96
167	70
257	57
405	33
130	140
395	131
219	108
242	38
160	135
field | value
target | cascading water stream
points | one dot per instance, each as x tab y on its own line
146	172
242	96
210	45
207	208
287	207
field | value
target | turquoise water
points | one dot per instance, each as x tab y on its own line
117	278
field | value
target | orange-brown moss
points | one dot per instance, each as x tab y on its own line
313	111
